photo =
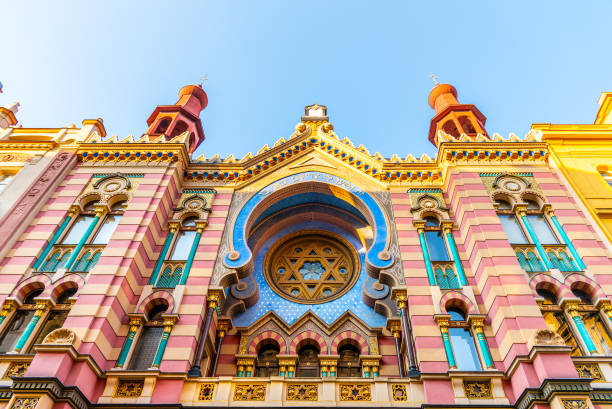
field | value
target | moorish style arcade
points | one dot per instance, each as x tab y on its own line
313	273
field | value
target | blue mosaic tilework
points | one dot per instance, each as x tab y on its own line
290	311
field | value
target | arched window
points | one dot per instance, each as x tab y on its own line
98	236
525	241
510	223
556	319
176	261
593	323
109	224
450	128
467	125
549	297
308	361
435	240
464	348
162	126
348	363
267	361
179	128
19	322
184	240
149	339
56	318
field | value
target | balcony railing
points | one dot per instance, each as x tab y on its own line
171	273
445	274
531	262
59	256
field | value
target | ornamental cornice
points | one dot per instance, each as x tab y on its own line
133	152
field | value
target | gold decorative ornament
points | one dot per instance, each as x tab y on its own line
574	403
16	369
303	392
250	392
478	389
398	392
311	267
355	392
206	391
60	336
129	388
591	371
25	403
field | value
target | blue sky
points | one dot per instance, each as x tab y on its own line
369	62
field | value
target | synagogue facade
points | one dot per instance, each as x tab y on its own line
312	273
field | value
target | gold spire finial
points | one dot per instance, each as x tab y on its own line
434	78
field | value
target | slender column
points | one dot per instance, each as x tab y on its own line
135	324
246	364
168	325
223	326
8	307
478	328
162	255
401	298
572	310
395	328
213	300
220	336
453	247
74	209
100	210
428	266
444	322
535	239
41	308
194	247
566	239
287	365
603	305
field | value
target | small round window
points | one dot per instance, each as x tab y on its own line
311	267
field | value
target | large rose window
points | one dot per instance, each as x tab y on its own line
311	267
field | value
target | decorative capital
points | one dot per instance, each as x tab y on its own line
8	307
400	295
42	306
246	360
394	326
135	323
571	306
224	324
548	209
215	297
477	323
74	210
287	360
169	321
201	225
174	226
606	307
447	226
443	321
329	360
101	210
520	209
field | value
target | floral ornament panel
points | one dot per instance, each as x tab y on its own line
355	392
308	392
478	389
250	392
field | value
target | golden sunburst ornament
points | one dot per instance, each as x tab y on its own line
311	266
